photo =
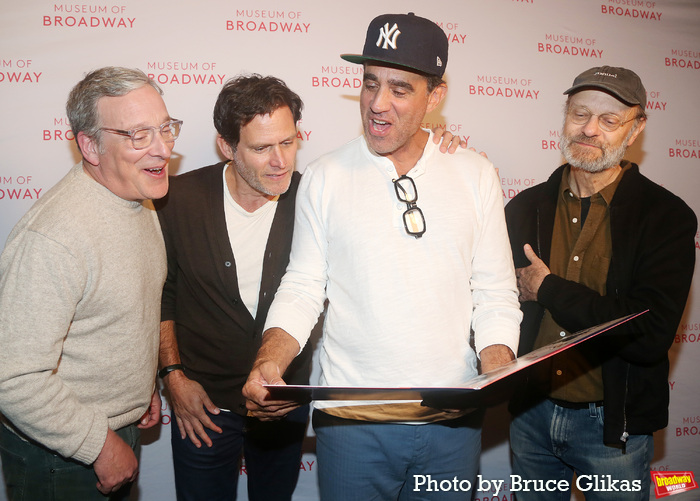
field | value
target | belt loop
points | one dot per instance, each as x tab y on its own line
592	409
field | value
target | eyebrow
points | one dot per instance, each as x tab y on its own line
144	125
392	82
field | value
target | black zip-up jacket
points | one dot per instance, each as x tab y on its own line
217	337
653	257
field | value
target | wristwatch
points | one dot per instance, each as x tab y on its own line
169	368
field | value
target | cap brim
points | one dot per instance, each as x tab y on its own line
612	90
360	59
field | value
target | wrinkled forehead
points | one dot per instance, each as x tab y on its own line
143	106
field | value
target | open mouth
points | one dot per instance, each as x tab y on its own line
379	126
156	170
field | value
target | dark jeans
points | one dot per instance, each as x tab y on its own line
272	452
35	473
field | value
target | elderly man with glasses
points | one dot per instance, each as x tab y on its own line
595	242
410	249
81	278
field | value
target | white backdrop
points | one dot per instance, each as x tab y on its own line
509	62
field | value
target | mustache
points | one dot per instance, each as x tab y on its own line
582	138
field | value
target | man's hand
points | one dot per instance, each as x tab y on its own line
259	403
448	142
531	277
152	415
189	400
494	356
116	465
274	356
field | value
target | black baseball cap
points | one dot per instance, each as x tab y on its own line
405	40
622	83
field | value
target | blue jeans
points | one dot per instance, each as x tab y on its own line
550	442
272	452
33	472
366	461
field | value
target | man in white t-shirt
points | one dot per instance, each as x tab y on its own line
227	230
410	249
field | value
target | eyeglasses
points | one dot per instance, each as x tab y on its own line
143	136
609	122
413	219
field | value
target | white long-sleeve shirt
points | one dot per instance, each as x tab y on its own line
400	309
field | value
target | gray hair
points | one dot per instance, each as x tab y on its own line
110	81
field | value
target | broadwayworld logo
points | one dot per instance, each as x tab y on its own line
672	482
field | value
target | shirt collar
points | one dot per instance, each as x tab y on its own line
606	194
387	166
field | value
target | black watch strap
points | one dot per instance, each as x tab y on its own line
169	368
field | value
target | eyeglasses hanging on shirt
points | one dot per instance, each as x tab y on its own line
413	219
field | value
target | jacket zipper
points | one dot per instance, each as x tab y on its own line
625	435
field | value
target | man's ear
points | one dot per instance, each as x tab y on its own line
88	148
225	148
436	97
637	131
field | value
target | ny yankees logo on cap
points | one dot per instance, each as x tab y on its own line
385	32
405	40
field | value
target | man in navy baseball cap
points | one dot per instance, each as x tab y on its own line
407	54
406	277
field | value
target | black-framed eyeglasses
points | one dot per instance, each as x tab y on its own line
413	219
143	136
609	122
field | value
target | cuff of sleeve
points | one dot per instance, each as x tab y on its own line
94	441
285	315
499	331
549	289
167	315
300	338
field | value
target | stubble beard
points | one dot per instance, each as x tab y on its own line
252	179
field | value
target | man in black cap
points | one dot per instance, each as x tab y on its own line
597	241
406	278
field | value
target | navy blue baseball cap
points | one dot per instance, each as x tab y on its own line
405	40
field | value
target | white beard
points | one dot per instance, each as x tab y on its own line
610	156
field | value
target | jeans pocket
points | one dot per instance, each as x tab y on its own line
14	468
